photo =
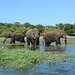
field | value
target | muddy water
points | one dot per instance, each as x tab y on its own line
64	68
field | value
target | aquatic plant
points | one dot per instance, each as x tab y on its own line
21	58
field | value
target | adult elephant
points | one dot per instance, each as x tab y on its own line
32	36
15	37
54	36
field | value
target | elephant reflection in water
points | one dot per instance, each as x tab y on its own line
57	49
33	47
11	47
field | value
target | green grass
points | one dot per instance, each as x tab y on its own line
21	58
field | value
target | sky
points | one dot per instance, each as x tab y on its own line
45	12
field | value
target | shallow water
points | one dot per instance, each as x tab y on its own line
63	68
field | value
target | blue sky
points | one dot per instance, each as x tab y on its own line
45	12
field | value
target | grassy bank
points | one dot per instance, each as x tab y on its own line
22	58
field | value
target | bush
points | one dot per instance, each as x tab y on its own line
21	30
3	34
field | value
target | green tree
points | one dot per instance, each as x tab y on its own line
17	24
21	30
68	29
60	26
32	26
40	27
26	25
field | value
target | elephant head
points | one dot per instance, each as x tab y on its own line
9	35
61	34
33	36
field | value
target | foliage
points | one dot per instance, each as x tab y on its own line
23	28
26	25
50	28
69	28
60	26
40	27
32	26
3	34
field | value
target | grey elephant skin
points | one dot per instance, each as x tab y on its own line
15	37
54	36
32	36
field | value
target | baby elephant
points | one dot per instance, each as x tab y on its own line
15	37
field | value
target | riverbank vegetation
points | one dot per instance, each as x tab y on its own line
23	28
21	58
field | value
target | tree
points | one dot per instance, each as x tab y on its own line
32	26
40	27
69	29
17	24
60	26
26	25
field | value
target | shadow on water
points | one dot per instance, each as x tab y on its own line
53	49
11	47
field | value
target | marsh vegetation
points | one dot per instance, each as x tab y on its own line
21	55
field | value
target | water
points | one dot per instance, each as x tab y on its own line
63	68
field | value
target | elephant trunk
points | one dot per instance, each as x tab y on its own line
65	40
4	40
33	41
64	36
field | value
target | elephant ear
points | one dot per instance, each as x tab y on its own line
58	33
12	35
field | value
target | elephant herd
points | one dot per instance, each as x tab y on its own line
33	36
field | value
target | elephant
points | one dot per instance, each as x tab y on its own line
15	37
54	36
32	36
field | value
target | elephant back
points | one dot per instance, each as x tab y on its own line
20	34
33	33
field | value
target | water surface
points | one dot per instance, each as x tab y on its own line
63	68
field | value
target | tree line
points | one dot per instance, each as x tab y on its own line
23	28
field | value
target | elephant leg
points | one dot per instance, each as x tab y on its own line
12	41
47	43
33	42
58	41
22	41
28	42
37	41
